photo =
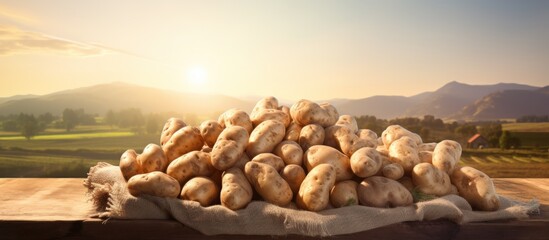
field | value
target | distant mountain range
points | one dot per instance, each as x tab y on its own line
454	100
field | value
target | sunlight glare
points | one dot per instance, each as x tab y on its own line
197	76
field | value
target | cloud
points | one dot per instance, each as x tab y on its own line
16	41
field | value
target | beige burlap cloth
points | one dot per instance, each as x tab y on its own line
108	191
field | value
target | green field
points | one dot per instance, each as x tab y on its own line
526	127
510	164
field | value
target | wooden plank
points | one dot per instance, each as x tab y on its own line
57	209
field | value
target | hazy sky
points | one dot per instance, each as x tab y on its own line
289	49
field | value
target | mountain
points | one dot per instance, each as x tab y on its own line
442	103
16	97
507	104
99	99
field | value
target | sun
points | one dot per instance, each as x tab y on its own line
196	76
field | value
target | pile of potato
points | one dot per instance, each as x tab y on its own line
307	154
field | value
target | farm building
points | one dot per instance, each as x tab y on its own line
477	141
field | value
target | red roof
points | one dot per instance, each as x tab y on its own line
473	138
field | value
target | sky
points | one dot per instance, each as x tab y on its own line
288	49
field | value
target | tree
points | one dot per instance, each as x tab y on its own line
153	124
70	119
10	126
46	118
504	140
110	118
29	125
492	132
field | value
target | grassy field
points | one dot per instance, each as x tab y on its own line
531	135
509	164
526	127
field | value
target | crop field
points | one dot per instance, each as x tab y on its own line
512	164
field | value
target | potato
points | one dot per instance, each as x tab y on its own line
154	183
210	131
271	114
152	159
365	162
192	164
404	152
271	159
310	135
290	152
236	191
382	150
314	192
269	102
200	189
426	156
344	194
369	136
349	122
305	112
229	147
242	161
268	183
235	117
342	138
382	192
170	127
286	110
431	180
427	146
407	183
446	155
395	132
265	137
476	187
129	165
393	171
319	154
184	140
292	132
294	175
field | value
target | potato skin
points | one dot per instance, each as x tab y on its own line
184	140
236	191
210	131
426	157
446	155
476	187
268	158
200	189
293	131
382	192
365	162
271	114
369	136
241	162
403	151
305	112
290	152
189	165
427	146
265	137
431	180
393	171
319	154
129	165
342	138
236	117
310	135
294	175
344	194
170	127
154	183
349	122
152	159
268	183
314	192
229	147
395	132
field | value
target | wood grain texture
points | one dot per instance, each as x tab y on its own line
57	209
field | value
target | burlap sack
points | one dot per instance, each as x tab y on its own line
108	191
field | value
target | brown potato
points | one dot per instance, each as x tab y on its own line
292	132
319	154
446	155
431	180
152	159
314	192
344	194
192	164
476	187
395	132
407	183
154	183
365	162
268	183
210	131
393	171
184	140
265	137
170	127
269	102
404	152
310	135
270	159
382	192
342	138
426	157
290	152
271	114
349	122
294	175
229	147
427	146
236	117
368	136
236	191
305	112
200	189
242	161
129	165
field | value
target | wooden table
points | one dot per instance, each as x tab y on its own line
56	208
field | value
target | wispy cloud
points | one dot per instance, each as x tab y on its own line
14	40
